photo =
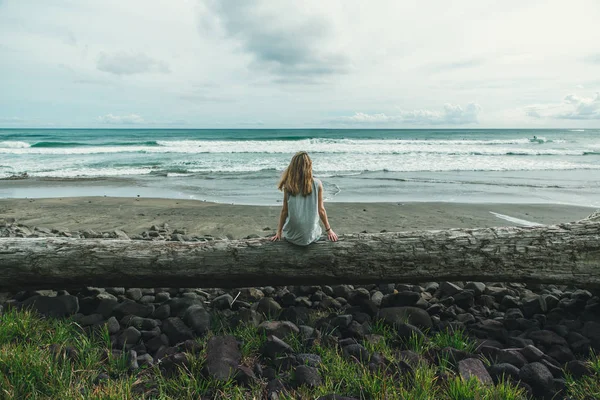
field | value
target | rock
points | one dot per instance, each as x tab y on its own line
478	288
154	344
128	307
92	319
562	354
356	352
223	357
473	367
503	371
162	312
222	302
311	360
534	305
145	360
252	294
412	315
407	331
591	330
268	307
134	294
176	330
249	317
447	289
57	307
129	336
297	315
113	325
537	376
578	369
308	376
532	353
281	329
504	356
547	338
274	347
198	319
400	299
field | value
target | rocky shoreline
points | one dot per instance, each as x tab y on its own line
530	335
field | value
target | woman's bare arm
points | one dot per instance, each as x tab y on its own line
323	216
282	218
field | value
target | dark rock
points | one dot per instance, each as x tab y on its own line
274	347
406	331
591	330
142	323
129	336
534	305
578	369
311	360
223	357
509	301
57	307
547	338
113	325
503	371
197	318
176	330
340	321
464	299
222	302
154	344
191	346
473	367
552	366
162	312
297	315
447	289
129	307
478	288
308	376
268	307
537	376
281	329
562	354
412	315
356	352
400	299
131	359
274	386
145	360
500	356
92	319
532	353
134	294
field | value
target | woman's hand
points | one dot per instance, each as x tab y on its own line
277	237
331	235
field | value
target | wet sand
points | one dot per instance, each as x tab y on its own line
134	215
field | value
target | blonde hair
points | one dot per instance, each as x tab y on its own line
297	177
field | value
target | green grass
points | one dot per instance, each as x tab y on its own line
588	387
30	370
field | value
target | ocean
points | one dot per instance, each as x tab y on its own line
243	166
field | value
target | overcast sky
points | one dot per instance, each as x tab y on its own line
295	64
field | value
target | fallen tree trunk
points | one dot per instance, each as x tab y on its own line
564	254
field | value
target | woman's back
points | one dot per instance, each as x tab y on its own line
302	223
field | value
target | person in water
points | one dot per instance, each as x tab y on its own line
302	204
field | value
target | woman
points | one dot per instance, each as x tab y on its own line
302	204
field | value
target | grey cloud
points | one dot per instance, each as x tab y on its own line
130	63
450	115
290	50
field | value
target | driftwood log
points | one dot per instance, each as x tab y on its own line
564	254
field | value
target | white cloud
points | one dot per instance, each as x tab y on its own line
121	119
130	63
451	115
573	107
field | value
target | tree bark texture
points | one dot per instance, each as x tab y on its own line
562	254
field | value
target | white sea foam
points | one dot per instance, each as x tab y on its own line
514	220
315	146
10	144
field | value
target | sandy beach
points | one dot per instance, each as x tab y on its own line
134	215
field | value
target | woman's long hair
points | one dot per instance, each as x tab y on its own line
297	177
